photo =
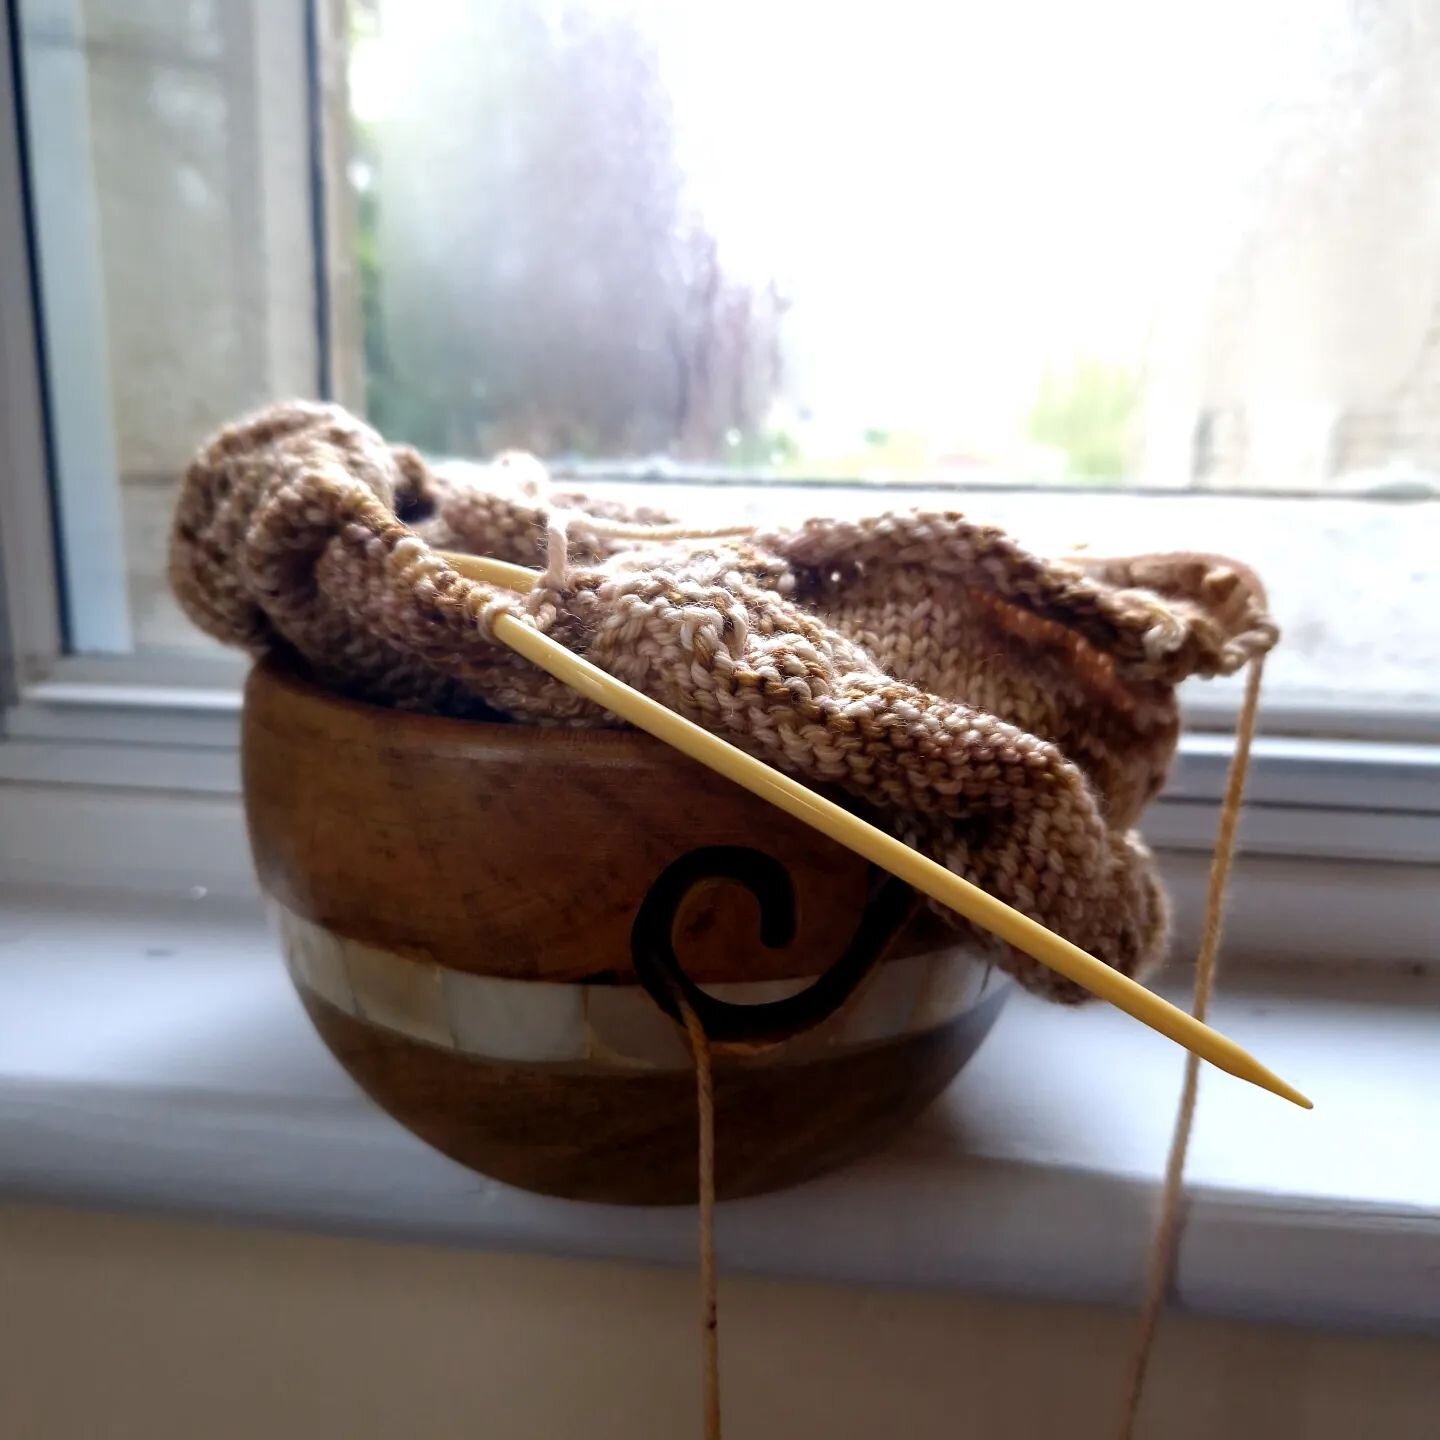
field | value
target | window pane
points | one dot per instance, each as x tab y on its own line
1111	241
1169	248
170	191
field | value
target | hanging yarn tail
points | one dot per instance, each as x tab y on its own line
1166	1241
709	1306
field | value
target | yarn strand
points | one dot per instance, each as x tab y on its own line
1165	1244
709	1302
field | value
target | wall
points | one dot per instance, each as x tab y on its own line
120	1326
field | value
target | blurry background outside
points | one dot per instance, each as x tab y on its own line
1155	277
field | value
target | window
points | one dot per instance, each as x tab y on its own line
1100	273
1143	276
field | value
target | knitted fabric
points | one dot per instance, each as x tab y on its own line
1009	716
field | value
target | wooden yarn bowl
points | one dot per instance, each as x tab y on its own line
455	902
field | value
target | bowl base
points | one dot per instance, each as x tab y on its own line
628	1136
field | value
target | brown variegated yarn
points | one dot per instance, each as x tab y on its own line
1008	715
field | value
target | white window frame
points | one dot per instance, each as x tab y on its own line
124	770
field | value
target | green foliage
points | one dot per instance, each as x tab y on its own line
1089	413
772	448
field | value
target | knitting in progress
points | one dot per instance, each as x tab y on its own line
1007	715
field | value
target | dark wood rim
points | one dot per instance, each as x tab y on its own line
608	746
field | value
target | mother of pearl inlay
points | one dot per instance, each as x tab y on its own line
615	1025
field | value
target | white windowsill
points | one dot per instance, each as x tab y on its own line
153	1056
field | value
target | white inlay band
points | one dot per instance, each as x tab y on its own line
543	1021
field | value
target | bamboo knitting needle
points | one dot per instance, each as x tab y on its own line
926	875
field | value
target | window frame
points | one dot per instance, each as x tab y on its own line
31	627
156	732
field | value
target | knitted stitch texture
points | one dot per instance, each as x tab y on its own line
1009	716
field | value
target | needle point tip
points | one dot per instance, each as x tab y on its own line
1288	1092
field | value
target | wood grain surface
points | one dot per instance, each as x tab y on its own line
519	851
629	1136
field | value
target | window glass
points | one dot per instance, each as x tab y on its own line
1111	242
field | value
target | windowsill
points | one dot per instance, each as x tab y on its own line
153	1056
